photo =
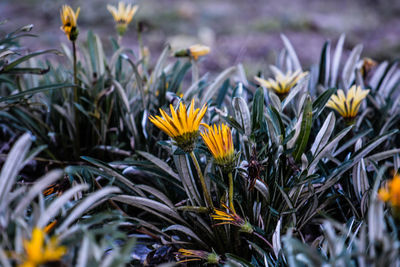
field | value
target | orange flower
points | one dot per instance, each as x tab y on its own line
391	193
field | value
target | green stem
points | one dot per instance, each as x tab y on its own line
119	40
195	71
209	203
75	72
76	98
231	206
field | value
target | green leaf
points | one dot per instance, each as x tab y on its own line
258	109
35	90
324	64
18	61
305	130
319	104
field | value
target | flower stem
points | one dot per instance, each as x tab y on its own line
75	72
230	193
209	203
195	71
75	99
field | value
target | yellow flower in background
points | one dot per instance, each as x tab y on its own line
231	218
123	15
282	83
182	127
219	142
69	22
348	105
185	255
198	50
37	252
391	193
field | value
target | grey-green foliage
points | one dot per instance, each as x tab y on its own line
24	207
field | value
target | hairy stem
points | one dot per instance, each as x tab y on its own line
75	99
195	71
230	193
209	203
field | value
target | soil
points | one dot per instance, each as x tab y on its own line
238	31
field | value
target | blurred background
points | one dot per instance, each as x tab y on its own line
244	31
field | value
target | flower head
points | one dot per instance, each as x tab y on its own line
391	193
69	22
231	218
282	83
197	255
348	105
122	15
182	127
37	252
219	142
198	50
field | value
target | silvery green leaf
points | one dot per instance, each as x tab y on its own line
271	129
151	206
276	71
213	88
275	101
276	239
84	252
87	204
372	145
242	114
304	162
159	163
325	64
115	56
129	116
297	128
375	222
395	106
4	259
324	134
194	88
384	155
100	55
350	67
378	75
159	67
336	60
186	231
158	194
39	186
262	188
292	53
185	174
301	86
327	149
391	78
56	205
13	165
242	74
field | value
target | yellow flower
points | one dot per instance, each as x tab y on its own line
69	22
198	50
219	142
122	16
197	255
391	193
37	253
231	218
282	83
182	127
348	106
